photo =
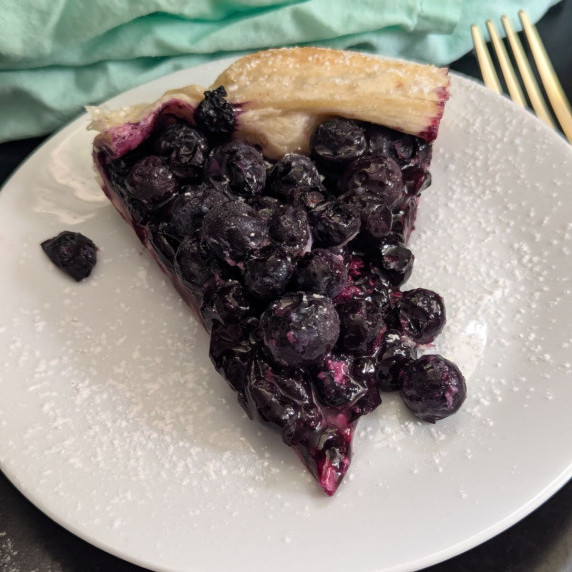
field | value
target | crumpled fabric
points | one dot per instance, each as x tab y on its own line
56	56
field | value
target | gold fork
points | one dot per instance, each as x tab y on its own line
556	95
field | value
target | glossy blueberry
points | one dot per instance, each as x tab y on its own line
228	304
335	385
394	260
378	175
336	142
289	228
265	206
151	181
361	326
230	351
432	387
416	180
215	116
233	231
307	198
405	149
283	399
192	263
268	272
394	353
185	150
236	167
419	314
190	207
164	243
321	271
300	328
334	224
72	252
293	172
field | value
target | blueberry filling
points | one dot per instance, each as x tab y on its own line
295	268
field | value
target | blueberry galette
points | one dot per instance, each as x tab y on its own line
280	201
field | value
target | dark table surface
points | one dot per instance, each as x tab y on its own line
542	542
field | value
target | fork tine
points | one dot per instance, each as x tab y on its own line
536	99
488	72
554	90
506	67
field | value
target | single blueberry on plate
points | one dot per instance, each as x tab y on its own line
236	167
432	387
215	116
71	252
299	328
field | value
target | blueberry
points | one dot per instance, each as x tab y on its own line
378	175
227	303
293	172
300	328
321	271
334	224
432	387
233	231
238	168
416	180
394	260
215	116
268	272
190	207
230	351
151	181
336	142
402	222
307	198
419	314
362	370
361	325
376	217
289	228
192	263
394	353
283	399
185	150
335	386
265	206
72	252
161	238
405	149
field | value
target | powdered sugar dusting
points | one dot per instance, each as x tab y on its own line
115	421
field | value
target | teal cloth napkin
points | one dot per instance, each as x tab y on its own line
57	56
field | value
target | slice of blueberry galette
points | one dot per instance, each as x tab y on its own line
280	201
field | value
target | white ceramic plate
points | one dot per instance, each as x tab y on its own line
114	423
